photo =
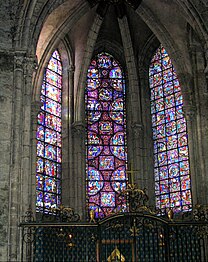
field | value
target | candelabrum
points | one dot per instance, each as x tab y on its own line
137	198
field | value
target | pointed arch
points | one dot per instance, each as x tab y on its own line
49	140
171	154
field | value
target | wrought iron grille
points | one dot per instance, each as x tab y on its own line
136	236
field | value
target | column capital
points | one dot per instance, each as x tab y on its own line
190	112
19	62
137	128
78	127
70	71
30	64
71	68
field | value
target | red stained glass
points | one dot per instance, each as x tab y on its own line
48	190
172	173
106	141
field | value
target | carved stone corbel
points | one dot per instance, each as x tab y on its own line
78	128
137	129
19	62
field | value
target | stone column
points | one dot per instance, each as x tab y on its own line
26	185
147	136
15	166
26	175
67	141
133	103
78	186
6	140
195	108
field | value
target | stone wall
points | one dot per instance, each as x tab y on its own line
20	28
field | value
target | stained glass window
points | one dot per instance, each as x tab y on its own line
171	156
106	147
48	164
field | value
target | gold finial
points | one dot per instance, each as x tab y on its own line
170	214
92	216
116	256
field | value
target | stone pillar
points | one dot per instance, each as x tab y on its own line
137	132
6	139
81	69
15	166
147	136
78	184
26	185
133	102
67	141
195	109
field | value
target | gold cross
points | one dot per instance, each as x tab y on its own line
131	176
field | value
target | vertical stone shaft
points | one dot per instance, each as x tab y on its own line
68	163
15	167
134	128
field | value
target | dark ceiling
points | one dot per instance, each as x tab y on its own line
119	5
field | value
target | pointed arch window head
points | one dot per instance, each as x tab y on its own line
171	156
106	157
48	164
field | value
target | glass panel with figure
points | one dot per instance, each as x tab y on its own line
106	148
171	156
48	163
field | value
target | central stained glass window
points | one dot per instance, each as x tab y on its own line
106	136
171	165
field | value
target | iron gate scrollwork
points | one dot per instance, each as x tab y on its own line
130	237
137	237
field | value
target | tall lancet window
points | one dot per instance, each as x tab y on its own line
171	157
48	165
106	148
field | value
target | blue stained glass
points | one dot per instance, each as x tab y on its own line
92	84
94	187
118	139
48	190
94	174
118	186
115	73
118	85
93	73
107	199
172	188
39	165
118	117
105	94
50	168
94	151
52	107
105	127
40	133
106	158
104	61
119	174
119	152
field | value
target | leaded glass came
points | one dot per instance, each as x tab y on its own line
171	157
48	164
106	136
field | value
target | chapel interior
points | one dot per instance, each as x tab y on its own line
104	130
